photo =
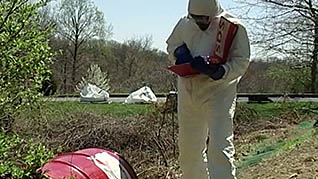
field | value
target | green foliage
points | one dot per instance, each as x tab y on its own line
245	113
25	55
309	109
290	76
94	76
20	158
252	112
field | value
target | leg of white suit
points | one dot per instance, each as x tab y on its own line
220	148
192	137
204	104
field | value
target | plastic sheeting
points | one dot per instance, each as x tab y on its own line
143	95
92	93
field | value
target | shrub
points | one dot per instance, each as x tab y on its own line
25	57
21	158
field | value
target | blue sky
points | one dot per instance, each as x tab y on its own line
138	18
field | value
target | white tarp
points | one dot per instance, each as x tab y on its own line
110	165
92	93
143	95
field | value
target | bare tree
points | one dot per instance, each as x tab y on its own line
79	21
286	28
134	63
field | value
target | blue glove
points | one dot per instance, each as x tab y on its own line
183	55
219	73
216	72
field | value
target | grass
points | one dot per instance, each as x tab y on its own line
270	146
263	111
270	110
114	109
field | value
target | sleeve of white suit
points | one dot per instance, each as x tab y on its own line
239	57
174	41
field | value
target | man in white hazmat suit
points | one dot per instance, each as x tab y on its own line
207	100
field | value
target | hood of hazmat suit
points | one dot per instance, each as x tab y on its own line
207	104
205	8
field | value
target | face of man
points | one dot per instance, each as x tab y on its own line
202	21
202	11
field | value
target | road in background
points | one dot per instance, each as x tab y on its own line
163	99
112	99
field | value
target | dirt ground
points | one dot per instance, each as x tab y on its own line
299	163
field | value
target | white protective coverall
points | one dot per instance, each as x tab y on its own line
204	103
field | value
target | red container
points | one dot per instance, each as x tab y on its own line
91	163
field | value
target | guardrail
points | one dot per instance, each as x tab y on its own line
110	95
270	95
277	95
242	97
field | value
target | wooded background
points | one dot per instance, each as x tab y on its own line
285	34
